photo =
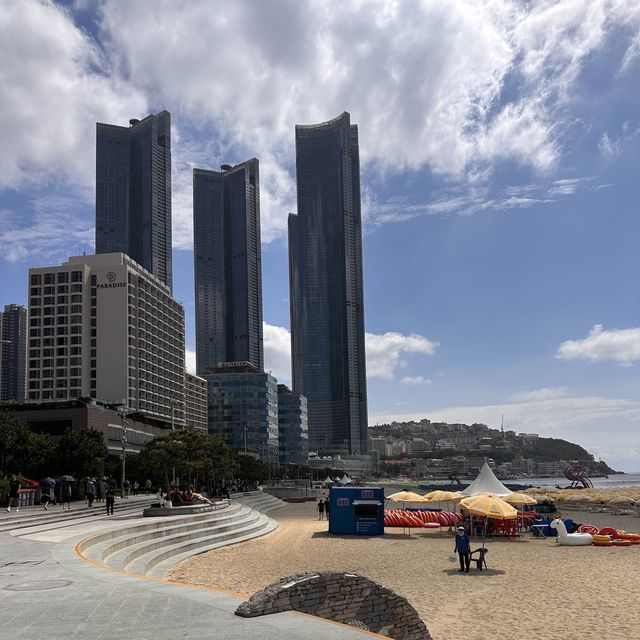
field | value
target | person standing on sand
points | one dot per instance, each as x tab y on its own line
320	509
326	507
463	548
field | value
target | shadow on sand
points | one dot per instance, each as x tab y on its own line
475	572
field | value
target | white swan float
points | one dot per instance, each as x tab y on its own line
571	539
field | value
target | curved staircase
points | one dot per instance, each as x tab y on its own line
152	547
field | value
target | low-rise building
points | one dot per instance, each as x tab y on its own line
243	408
293	426
195	392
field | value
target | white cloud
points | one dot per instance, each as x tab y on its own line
55	85
190	361
383	351
415	380
50	229
277	351
545	393
617	345
454	86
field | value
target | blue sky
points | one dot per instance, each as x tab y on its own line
500	145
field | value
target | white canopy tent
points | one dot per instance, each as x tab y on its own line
486	482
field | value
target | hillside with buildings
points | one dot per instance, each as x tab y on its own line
428	449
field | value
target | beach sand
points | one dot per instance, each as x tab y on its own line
534	587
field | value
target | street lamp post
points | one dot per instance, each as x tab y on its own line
124	410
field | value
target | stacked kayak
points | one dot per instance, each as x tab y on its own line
420	519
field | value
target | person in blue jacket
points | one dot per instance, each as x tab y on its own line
463	547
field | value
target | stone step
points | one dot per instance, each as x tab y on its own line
99	546
159	569
67	518
171	555
136	558
156	544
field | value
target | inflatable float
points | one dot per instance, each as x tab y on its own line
609	537
570	539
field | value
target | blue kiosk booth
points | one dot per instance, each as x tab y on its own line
357	511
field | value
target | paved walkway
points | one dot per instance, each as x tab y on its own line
49	592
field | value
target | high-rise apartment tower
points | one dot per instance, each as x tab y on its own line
13	352
325	272
133	192
228	268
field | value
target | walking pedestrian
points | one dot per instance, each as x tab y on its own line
110	500
66	495
14	493
136	486
103	488
45	498
127	487
147	486
98	484
320	509
90	492
326	507
463	547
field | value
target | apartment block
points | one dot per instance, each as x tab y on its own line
195	391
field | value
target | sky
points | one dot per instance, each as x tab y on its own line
500	145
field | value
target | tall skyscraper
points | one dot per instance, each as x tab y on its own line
13	352
228	266
325	272
133	192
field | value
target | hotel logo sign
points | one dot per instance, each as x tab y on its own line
111	284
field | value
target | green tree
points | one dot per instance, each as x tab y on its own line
82	453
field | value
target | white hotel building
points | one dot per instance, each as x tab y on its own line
102	327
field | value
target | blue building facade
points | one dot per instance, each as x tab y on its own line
326	287
293	428
228	265
133	192
243	408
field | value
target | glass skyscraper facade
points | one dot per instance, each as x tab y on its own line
326	288
133	192
228	266
243	409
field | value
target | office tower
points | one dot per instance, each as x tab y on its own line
325	272
105	328
13	352
228	268
133	192
293	426
243	408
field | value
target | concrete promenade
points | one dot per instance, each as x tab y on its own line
49	592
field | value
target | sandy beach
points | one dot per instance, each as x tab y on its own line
534	587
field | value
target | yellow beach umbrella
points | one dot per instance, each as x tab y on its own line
443	496
406	496
519	499
622	500
489	506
